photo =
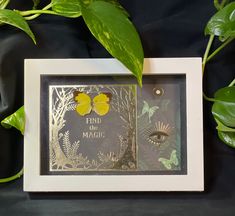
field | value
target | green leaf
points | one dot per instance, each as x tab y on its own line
224	107
117	34
67	8
223	111
118	5
15	19
4	3
221	127
228	138
114	2
16	120
222	24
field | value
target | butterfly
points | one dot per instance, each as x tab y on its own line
99	104
148	110
169	162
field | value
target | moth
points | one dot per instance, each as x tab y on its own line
148	110
167	163
100	104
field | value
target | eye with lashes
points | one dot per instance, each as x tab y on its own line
157	137
159	134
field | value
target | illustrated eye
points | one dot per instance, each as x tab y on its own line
159	134
158	137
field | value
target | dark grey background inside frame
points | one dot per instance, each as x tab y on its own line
47	80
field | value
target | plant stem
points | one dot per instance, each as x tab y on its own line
217	4
220	48
208	98
223	3
211	39
211	99
232	83
207	58
207	52
16	176
37	15
29	12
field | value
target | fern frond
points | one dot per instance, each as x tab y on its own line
74	148
66	144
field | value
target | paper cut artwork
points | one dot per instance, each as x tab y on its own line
115	128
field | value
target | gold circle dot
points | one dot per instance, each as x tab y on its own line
158	92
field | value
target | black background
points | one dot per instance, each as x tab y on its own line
167	29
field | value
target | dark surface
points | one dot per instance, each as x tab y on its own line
167	29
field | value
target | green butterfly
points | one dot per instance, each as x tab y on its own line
169	162
149	110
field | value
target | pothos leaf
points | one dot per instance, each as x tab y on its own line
223	111
228	138
114	2
67	8
118	5
224	107
15	19
222	24
16	120
116	33
223	128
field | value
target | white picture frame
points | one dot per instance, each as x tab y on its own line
34	181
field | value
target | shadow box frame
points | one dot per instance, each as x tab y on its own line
35	181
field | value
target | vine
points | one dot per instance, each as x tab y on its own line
107	21
222	26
